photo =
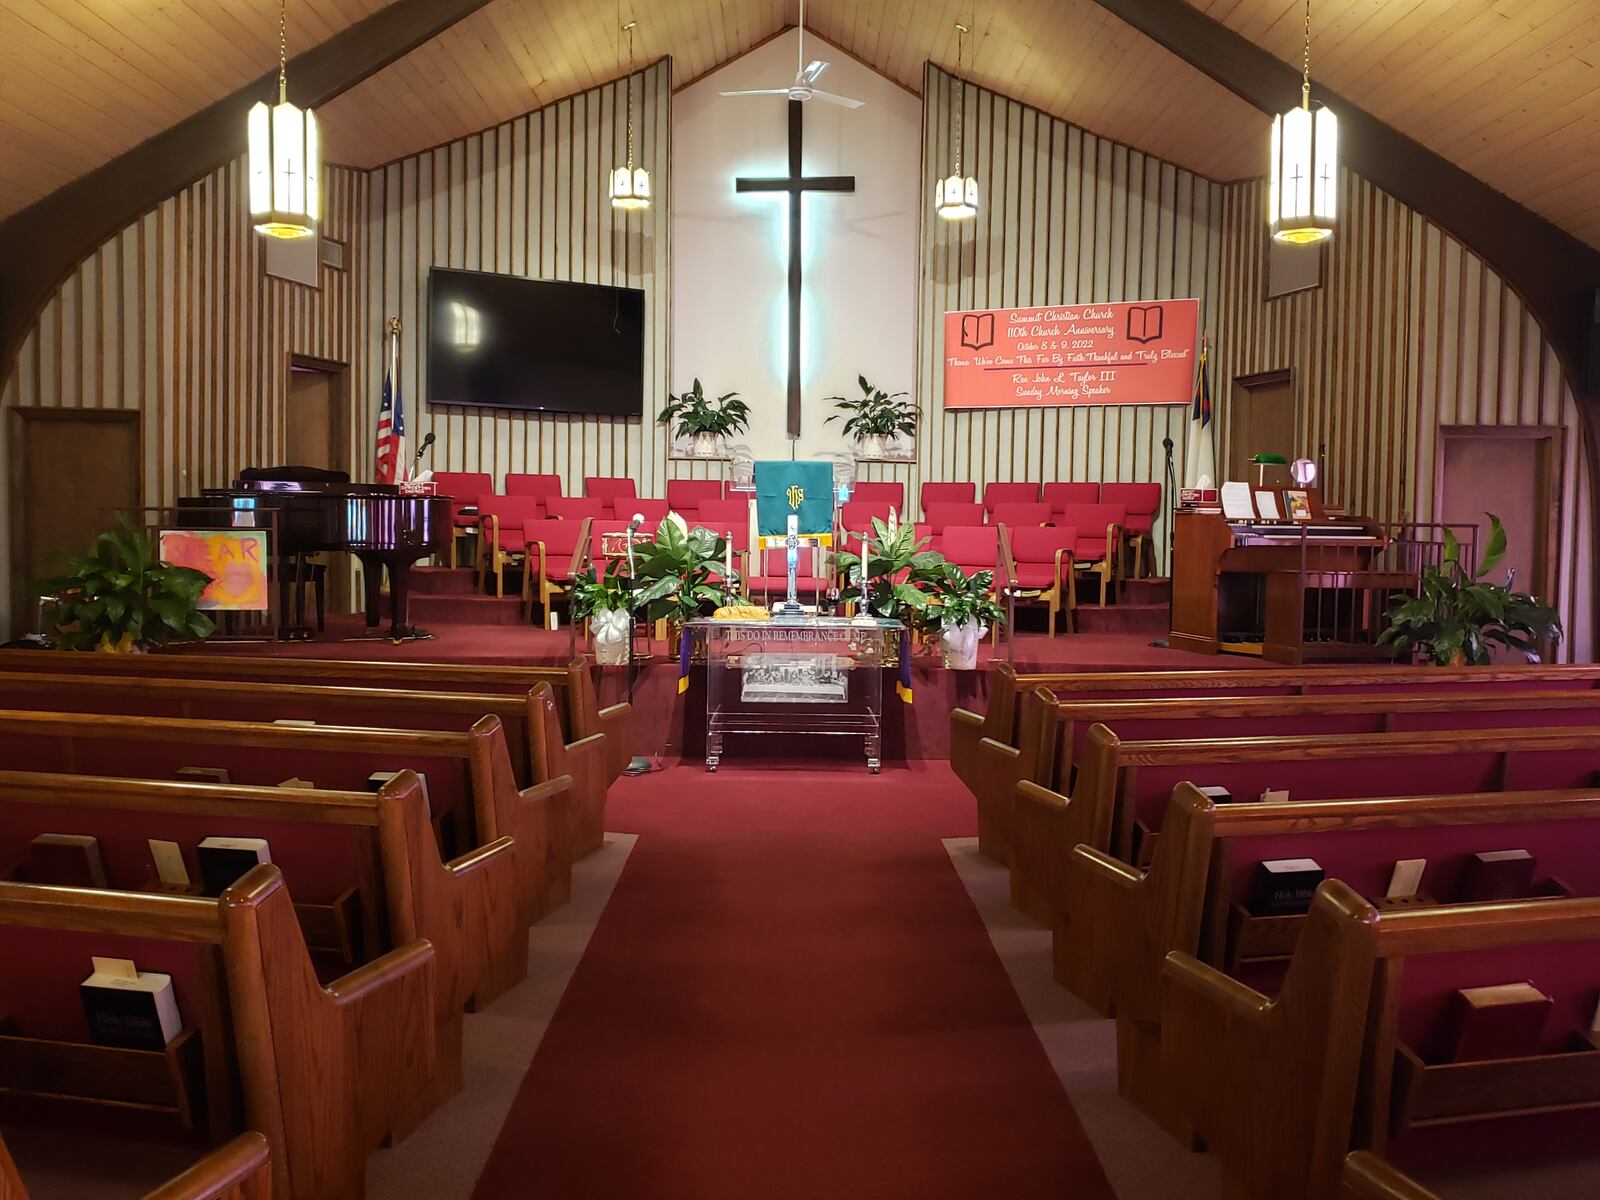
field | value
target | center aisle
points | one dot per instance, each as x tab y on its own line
791	995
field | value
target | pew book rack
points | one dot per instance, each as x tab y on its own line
166	1082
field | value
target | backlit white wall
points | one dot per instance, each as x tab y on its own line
730	252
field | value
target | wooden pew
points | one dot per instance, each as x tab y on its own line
326	843
1122	786
1281	1089
582	716
325	1071
1368	1177
241	1170
1114	925
523	716
1051	731
1006	686
469	774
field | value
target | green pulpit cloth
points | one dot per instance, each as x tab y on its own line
804	489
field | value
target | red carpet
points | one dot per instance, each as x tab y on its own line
790	995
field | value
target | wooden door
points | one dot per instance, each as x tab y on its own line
1513	471
1261	420
315	418
71	472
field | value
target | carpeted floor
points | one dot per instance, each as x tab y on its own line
791	995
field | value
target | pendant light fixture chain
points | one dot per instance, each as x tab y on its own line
283	51
1305	78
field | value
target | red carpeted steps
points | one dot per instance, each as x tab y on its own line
449	596
791	997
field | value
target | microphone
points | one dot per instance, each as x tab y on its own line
638	520
423	449
1166	444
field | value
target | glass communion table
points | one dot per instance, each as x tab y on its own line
814	675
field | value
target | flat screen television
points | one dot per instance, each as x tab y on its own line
538	345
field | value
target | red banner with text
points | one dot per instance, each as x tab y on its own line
1135	353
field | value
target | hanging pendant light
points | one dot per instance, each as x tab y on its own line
630	185
1303	195
285	158
956	197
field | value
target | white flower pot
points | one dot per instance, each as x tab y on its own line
611	629
960	644
874	445
705	445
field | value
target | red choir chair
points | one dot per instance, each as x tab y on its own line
1038	562
1098	549
942	514
976	548
684	496
995	494
575	508
856	516
893	494
1059	495
463	488
1019	515
615	493
729	519
773	581
556	548
542	486
500	541
925	536
947	493
1142	500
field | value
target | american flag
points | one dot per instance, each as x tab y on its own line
392	466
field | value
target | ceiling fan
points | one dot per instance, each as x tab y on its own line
805	78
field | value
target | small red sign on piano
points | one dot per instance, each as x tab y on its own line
1134	353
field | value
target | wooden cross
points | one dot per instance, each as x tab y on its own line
796	184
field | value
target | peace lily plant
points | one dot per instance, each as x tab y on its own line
707	423
875	419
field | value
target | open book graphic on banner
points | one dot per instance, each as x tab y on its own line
1146	323
977	330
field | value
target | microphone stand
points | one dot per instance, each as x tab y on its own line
1172	512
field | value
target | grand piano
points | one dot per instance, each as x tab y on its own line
1291	591
321	511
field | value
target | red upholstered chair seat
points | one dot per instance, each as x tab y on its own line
684	496
947	493
773	579
513	512
941	515
463	488
559	537
721	516
1013	515
1091	522
1139	501
1057	495
887	493
995	494
973	548
611	491
542	486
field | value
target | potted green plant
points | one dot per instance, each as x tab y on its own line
1458	614
704	422
876	419
961	609
673	574
898	567
122	598
606	602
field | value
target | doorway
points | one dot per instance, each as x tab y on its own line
1262	419
317	415
1513	471
71	469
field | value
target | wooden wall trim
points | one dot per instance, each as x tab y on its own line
44	243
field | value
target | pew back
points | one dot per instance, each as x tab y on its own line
241	1170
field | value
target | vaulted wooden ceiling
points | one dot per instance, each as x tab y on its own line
1508	89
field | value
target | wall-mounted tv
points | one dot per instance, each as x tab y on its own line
538	345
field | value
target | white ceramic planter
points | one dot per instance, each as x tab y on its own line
961	645
611	629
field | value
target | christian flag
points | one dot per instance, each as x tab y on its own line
392	465
1201	457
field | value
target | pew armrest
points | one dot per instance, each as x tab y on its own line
614	722
1196	994
243	1164
966	731
483	857
1101	952
409	967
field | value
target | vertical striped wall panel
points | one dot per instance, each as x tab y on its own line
529	198
1065	218
1410	331
175	318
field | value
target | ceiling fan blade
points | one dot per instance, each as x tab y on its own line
842	101
759	92
812	72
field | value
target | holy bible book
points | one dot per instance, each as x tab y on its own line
129	1008
1284	886
1506	1020
65	860
224	859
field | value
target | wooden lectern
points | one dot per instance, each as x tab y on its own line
1291	590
